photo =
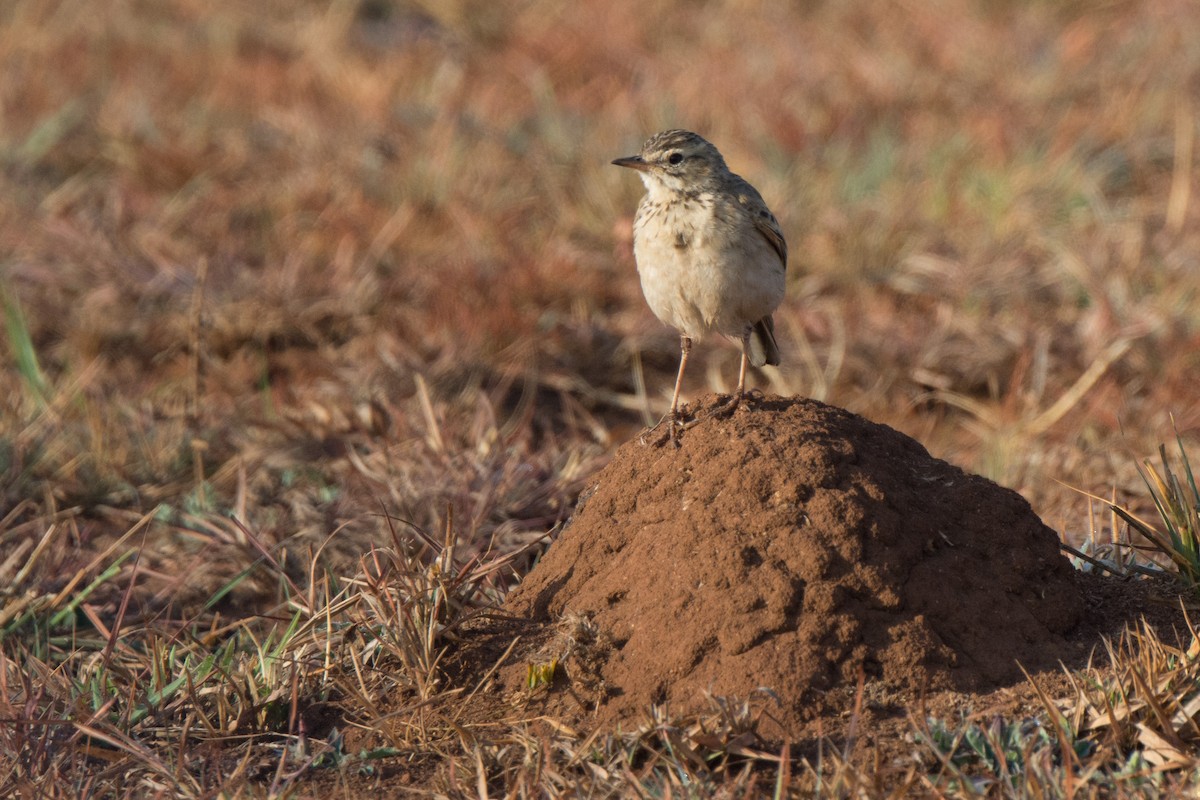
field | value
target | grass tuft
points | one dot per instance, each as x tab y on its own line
1177	501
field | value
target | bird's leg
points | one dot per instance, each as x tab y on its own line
745	362
685	347
731	405
672	417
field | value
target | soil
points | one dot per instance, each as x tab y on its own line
798	552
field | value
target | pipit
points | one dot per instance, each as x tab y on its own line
709	252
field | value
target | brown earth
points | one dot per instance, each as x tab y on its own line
795	547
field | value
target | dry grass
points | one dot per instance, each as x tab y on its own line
277	276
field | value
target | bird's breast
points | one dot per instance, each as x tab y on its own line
703	267
680	277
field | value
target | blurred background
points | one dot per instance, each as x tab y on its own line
302	263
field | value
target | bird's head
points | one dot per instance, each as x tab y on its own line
675	160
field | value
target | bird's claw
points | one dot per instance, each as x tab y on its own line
728	407
674	427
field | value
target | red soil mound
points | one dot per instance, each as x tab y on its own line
790	546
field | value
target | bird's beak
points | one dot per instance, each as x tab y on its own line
633	162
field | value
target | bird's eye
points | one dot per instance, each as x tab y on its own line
675	158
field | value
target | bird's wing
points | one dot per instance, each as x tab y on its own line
764	221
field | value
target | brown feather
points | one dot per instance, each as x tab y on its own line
764	221
769	228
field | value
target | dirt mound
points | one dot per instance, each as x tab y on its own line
790	546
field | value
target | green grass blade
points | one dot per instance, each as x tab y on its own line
21	344
67	611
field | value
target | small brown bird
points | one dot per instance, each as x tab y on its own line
711	255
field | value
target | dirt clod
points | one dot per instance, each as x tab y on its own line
796	546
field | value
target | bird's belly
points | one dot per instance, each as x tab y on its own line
700	288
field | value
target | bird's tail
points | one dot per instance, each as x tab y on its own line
763	349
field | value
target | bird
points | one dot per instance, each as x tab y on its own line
710	254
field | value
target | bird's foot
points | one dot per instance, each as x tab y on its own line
736	400
727	408
674	427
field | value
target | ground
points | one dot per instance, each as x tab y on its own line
321	317
823	564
